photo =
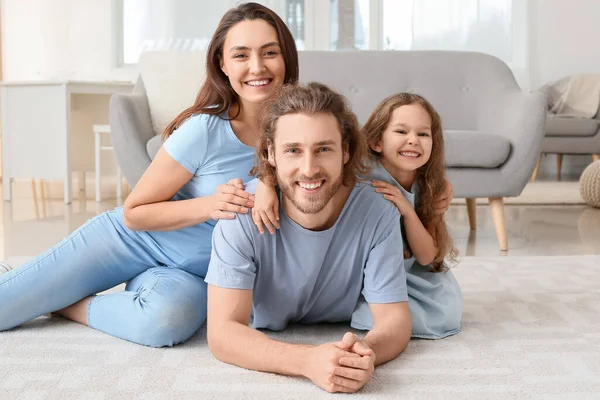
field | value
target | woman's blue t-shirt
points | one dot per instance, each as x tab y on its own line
207	147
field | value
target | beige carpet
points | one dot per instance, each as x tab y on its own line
531	330
543	193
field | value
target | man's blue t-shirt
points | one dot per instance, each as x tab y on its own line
305	276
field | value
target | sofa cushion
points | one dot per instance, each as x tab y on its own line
571	126
172	81
475	149
153	146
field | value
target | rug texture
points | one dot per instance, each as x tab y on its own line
531	329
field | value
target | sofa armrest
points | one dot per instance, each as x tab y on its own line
523	121
131	128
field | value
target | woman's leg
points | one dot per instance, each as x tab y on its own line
161	307
97	256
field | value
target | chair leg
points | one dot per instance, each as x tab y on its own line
497	207
559	158
472	213
35	198
596	156
119	183
98	166
537	169
81	181
43	196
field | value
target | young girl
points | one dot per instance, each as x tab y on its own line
404	133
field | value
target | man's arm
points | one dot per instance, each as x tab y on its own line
232	341
386	292
391	330
231	276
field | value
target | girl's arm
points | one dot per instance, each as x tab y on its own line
420	240
266	208
148	206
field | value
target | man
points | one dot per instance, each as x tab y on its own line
338	240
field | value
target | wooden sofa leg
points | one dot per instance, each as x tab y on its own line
559	158
472	213
537	169
497	207
596	156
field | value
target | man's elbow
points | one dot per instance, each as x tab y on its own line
404	334
220	344
215	345
395	342
403	329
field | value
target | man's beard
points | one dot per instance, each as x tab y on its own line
312	204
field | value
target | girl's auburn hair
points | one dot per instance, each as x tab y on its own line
431	177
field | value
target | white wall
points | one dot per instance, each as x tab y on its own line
59	39
73	39
65	40
565	39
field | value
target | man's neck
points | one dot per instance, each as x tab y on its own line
325	218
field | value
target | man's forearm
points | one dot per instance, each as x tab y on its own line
388	342
248	348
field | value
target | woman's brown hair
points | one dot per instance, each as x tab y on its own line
216	95
431	177
312	98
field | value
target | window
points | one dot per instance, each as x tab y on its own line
185	25
349	25
497	27
479	25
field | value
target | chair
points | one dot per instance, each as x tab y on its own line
568	135
100	130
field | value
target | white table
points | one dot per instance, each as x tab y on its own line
36	128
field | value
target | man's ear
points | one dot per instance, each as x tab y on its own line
346	154
270	150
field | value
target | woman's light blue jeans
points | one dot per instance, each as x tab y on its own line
161	305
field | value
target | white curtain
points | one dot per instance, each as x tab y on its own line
496	27
478	25
185	25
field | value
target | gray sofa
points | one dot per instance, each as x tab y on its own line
493	130
568	135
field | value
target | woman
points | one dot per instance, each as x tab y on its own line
159	242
